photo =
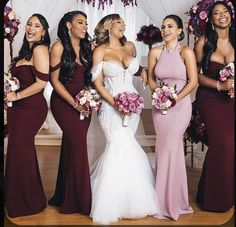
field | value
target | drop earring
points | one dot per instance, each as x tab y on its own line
69	32
212	26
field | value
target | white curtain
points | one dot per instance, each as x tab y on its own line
158	9
53	10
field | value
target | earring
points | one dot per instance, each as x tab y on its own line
178	36
42	37
69	32
212	26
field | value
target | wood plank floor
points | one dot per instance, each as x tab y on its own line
48	157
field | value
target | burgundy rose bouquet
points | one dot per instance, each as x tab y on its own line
11	22
227	72
149	35
90	99
196	131
10	84
199	14
129	102
164	97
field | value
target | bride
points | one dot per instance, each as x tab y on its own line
122	180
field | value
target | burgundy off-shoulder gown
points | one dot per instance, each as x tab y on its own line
24	194
73	190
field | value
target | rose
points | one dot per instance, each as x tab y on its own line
203	15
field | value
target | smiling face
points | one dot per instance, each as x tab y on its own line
220	16
34	30
117	28
78	26
170	30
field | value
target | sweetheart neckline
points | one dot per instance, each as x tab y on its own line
116	63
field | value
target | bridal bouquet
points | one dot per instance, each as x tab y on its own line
90	99
10	84
129	102
164	97
227	72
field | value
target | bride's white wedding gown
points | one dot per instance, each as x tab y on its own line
122	180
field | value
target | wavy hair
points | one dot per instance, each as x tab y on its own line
68	56
101	31
211	36
179	23
26	52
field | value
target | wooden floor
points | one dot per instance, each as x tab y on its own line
48	157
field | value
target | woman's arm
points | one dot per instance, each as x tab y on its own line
41	64
98	56
191	68
55	59
153	55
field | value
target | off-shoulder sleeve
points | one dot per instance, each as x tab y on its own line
96	70
40	75
54	68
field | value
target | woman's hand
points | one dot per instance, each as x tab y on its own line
230	83
121	112
11	97
83	110
144	77
228	86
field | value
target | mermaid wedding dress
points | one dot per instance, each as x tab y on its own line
121	179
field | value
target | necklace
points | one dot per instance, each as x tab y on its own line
171	50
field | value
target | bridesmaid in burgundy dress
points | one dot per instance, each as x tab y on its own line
174	64
71	61
24	194
213	50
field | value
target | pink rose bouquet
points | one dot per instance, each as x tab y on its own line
227	72
164	97
90	99
10	84
129	102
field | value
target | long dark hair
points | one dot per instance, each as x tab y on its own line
26	52
179	23
68	56
211	36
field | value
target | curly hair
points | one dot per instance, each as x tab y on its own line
211	36
26	52
179	23
101	31
68	56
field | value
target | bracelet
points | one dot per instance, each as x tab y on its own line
218	85
76	104
18	95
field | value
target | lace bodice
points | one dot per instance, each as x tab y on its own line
116	78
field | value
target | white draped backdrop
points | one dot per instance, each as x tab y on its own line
147	12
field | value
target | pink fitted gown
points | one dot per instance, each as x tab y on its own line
171	178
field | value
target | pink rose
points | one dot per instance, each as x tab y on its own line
203	15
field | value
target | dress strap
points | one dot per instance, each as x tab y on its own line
57	66
96	70
40	75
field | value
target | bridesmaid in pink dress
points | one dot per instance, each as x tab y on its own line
173	64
